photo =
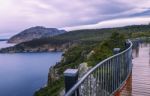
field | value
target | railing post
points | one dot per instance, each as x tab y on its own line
117	68
116	50
71	78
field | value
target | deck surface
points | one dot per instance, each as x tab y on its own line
139	83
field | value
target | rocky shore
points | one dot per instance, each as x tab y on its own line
26	49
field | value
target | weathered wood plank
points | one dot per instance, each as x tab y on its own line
139	85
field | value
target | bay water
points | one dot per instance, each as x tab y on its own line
21	74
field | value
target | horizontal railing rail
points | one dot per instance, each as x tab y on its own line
106	77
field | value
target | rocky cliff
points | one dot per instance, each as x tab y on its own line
34	33
43	48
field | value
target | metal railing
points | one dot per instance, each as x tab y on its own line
105	78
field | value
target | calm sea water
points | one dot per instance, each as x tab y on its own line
4	44
21	74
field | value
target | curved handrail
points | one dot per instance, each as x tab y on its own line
75	87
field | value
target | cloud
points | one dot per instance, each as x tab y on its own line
17	15
113	23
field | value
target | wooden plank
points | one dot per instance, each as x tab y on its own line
140	83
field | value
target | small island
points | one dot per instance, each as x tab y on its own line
3	39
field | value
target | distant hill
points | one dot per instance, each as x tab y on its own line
34	33
3	39
89	36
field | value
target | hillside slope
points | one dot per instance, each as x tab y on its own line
34	33
79	36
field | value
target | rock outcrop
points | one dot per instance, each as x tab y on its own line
52	75
83	68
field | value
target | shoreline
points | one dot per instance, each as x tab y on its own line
31	52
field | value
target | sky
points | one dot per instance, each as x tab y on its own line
17	15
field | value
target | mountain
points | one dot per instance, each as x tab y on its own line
63	41
34	33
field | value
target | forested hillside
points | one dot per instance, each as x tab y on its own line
99	48
78	36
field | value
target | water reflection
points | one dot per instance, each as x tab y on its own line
146	45
135	53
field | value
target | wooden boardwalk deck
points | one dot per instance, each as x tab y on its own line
139	82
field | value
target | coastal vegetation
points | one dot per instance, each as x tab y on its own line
90	46
63	41
98	43
78	54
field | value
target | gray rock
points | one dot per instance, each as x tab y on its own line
52	75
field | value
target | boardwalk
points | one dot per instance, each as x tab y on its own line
139	83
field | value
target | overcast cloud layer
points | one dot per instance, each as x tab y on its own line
17	15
